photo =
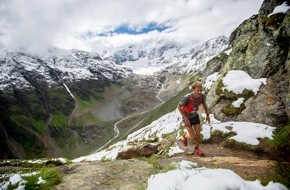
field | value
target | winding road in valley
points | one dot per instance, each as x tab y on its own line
116	129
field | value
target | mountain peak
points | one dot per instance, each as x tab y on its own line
68	65
145	58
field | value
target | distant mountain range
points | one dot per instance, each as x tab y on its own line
18	68
64	66
168	56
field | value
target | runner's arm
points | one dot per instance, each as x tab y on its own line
206	112
185	119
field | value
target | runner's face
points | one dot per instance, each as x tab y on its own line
197	92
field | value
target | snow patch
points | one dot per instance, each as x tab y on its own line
228	51
68	91
238	102
186	178
246	132
210	80
280	9
237	81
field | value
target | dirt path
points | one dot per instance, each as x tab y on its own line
134	173
245	163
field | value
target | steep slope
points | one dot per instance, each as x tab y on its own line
45	99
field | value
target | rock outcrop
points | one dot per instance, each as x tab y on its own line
260	47
145	150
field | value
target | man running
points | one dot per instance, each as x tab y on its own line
188	108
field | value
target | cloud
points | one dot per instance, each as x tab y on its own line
38	24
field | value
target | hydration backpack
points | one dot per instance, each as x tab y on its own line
190	105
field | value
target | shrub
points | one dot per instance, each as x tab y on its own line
51	176
280	144
231	110
282	173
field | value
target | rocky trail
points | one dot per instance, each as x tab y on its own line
247	164
134	173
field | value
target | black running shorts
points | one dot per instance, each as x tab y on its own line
195	120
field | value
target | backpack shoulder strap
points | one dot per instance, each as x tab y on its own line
189	100
200	100
198	103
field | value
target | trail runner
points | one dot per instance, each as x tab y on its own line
188	107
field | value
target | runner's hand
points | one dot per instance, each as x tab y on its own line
186	122
207	119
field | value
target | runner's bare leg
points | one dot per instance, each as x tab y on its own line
197	133
190	133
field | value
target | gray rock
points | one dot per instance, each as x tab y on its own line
119	174
144	150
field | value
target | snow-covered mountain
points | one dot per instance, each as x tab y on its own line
196	60
147	58
154	52
66	66
17	69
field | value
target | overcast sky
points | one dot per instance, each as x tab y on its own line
96	24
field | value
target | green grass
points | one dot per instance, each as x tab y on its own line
230	110
51	176
29	122
217	136
60	101
233	144
280	145
223	57
83	104
87	118
282	136
219	88
33	165
270	22
27	113
281	174
31	176
60	120
98	95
